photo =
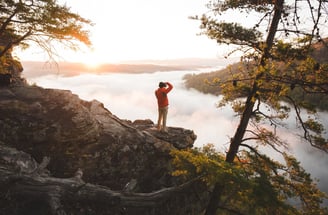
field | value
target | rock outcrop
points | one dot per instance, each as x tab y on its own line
78	134
57	150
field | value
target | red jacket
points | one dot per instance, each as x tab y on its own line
161	95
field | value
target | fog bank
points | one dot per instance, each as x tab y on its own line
131	96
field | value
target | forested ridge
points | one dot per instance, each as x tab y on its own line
206	82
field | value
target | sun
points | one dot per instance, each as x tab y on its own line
92	61
92	64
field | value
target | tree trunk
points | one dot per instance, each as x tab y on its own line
214	202
240	132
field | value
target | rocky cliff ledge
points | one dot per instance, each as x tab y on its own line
49	134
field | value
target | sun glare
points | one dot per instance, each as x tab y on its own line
92	64
92	61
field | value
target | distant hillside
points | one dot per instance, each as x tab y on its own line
33	69
201	81
189	62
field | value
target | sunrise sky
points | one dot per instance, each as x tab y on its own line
144	30
139	30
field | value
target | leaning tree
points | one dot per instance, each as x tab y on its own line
45	23
276	38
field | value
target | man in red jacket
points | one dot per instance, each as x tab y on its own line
163	104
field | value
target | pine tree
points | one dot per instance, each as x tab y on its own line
276	60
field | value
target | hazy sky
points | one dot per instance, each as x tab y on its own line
139	30
146	29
